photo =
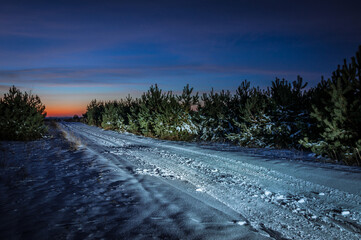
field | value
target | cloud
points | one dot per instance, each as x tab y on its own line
138	42
61	76
129	75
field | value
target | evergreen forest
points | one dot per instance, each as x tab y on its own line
325	119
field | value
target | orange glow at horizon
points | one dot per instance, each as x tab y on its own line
64	111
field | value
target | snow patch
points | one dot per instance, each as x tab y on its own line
345	213
241	223
302	200
267	193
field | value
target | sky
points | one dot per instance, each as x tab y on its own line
70	52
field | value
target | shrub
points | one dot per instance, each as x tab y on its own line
21	116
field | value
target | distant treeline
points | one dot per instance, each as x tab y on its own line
325	119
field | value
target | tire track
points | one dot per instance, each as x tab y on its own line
272	202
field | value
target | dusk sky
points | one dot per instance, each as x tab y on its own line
70	52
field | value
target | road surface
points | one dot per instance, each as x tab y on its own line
268	195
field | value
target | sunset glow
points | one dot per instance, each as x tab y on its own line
64	110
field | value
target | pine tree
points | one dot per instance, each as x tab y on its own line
187	127
252	122
21	116
290	112
94	114
111	117
215	115
338	115
186	100
133	125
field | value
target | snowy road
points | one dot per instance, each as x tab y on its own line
54	189
262	194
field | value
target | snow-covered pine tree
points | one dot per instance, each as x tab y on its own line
116	114
188	126
339	115
21	116
253	122
148	107
111	115
166	117
163	115
215	117
133	125
174	119
290	112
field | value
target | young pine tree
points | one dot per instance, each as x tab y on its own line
21	116
290	112
94	113
253	122
215	115
338	114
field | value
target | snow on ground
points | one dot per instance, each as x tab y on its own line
55	189
137	187
279	193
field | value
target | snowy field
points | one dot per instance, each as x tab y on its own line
104	184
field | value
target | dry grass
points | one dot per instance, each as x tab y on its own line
53	124
74	142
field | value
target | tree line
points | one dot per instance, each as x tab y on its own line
325	119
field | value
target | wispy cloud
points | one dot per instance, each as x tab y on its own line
132	75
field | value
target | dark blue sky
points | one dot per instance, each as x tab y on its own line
70	52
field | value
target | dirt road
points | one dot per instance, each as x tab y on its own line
104	184
274	194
